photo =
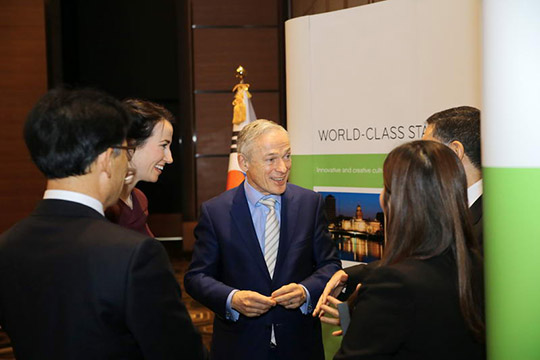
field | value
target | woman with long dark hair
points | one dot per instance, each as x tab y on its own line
424	300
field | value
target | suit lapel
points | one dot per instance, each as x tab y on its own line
242	219
289	215
476	211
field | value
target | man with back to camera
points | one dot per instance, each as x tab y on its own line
459	129
262	256
74	285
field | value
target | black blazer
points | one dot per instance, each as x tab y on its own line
358	273
410	310
75	286
476	220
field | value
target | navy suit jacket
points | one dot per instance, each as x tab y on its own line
227	256
75	286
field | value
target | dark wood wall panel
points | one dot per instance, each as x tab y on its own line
24	79
222	36
235	12
211	177
21	13
214	118
218	52
312	7
267	106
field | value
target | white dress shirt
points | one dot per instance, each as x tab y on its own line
474	192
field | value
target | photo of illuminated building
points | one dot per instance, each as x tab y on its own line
356	224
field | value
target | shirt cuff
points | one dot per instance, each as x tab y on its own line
230	313
344	316
306	307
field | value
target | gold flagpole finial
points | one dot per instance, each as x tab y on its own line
240	73
240	89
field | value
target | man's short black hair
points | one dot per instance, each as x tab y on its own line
461	124
67	130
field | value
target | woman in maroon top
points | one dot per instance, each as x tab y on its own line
150	134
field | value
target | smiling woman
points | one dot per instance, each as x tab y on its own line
151	134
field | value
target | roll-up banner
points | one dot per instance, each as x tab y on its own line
511	160
362	81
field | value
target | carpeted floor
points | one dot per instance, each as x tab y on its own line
201	316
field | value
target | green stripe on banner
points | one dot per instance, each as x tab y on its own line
343	170
512	251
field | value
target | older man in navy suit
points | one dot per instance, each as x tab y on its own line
262	256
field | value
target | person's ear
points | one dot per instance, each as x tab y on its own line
458	148
243	162
104	162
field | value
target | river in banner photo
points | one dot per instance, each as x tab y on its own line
356	224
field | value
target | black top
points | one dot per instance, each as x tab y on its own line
410	310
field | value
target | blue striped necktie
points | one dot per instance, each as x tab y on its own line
271	235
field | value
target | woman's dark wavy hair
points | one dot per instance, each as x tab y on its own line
427	213
146	115
68	128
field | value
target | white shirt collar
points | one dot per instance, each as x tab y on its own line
75	197
474	192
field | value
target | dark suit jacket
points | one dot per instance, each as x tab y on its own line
227	256
476	220
75	286
410	310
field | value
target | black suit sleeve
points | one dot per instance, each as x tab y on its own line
357	274
155	314
476	220
381	319
325	257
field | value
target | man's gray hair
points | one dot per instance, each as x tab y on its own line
248	135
